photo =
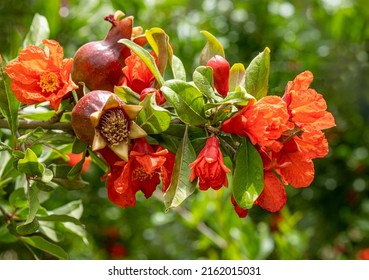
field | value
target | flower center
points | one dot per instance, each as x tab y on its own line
141	175
49	82
114	126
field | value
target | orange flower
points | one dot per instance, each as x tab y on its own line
38	76
307	108
209	166
137	76
262	122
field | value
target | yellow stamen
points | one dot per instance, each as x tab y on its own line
49	82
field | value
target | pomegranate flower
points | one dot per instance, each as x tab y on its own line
137	76
221	70
141	172
209	166
38	76
263	122
306	107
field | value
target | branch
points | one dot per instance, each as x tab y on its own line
27	124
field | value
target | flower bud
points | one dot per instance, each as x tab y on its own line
221	69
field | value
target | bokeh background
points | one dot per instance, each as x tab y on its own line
328	220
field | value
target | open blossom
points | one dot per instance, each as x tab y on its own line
293	163
140	173
137	76
38	76
263	122
307	107
221	70
209	166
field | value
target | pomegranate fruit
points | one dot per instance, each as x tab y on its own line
99	64
102	119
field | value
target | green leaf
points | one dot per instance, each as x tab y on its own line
31	225
30	164
248	179
72	209
239	97
28	228
46	246
18	198
179	72
39	116
187	100
212	48
61	172
127	95
159	42
6	236
237	76
79	146
180	186
258	74
38	31
9	104
75	172
146	58
60	218
152	118
203	79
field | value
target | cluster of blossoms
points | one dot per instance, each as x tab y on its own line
152	131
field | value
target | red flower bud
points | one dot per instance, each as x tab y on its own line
221	70
159	97
209	166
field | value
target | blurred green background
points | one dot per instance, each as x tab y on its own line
328	220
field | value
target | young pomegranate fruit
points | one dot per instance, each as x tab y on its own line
102	119
99	63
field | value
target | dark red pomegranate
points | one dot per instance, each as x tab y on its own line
99	63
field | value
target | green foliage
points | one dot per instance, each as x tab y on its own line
329	221
248	181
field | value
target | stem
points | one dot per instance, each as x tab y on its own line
5	215
27	124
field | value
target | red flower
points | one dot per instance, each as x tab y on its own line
209	166
167	169
263	122
221	70
38	76
141	172
137	76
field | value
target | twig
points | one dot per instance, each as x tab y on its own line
27	124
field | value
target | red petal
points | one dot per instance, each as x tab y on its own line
274	196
